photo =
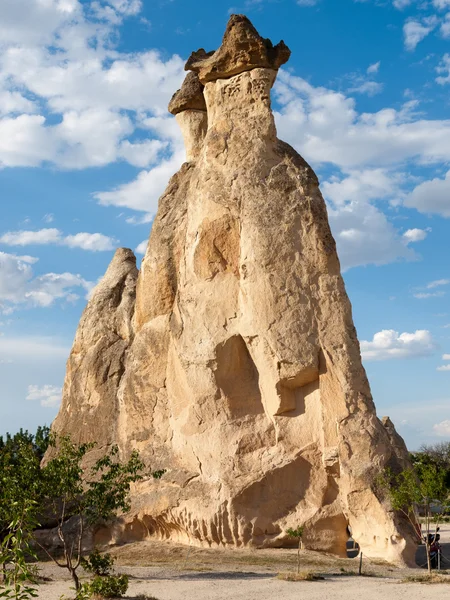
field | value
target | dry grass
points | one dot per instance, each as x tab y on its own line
302	576
428	579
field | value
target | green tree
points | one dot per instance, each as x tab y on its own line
297	533
20	481
15	550
88	498
422	487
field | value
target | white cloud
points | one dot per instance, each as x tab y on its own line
373	68
48	218
57	59
442	428
415	31
142	193
48	395
415	235
389	344
431	196
95	242
444	70
324	126
142	247
24	238
142	154
443	368
13	102
445	27
126	7
362	231
426	295
371	88
437	283
441	4
307	2
19	286
446	357
401	4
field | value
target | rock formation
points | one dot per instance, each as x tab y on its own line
231	359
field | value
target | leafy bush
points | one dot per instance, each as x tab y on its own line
109	586
98	564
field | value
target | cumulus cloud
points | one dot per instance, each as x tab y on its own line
142	247
363	233
325	127
432	196
95	242
415	235
444	70
443	368
19	285
443	428
441	4
373	68
446	357
48	396
389	344
401	4
58	59
415	31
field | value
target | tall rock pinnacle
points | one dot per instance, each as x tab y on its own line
239	370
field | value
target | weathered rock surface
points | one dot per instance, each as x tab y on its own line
237	368
189	96
242	49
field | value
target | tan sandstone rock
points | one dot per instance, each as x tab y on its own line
240	372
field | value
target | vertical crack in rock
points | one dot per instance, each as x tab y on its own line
231	359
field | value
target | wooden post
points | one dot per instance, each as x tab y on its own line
360	564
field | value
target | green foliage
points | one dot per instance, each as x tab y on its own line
20	494
416	488
437	455
295	533
98	564
419	486
20	458
15	550
111	586
88	497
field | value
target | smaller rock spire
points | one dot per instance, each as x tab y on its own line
189	96
242	49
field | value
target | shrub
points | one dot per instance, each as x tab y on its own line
98	564
109	586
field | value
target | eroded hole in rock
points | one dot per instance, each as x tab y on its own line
238	379
292	397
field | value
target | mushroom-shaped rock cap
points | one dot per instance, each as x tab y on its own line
189	96
242	49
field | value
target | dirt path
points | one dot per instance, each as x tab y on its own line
168	571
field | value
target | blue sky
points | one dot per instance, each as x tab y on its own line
87	147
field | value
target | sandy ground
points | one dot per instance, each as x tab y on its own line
168	571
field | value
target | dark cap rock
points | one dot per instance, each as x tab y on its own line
189	96
242	49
